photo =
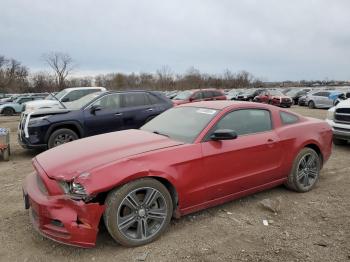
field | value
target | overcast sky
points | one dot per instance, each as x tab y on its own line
272	39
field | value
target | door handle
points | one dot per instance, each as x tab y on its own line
149	110
270	141
118	114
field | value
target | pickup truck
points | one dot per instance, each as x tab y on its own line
338	118
65	96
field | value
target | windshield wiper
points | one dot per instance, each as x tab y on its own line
59	101
158	133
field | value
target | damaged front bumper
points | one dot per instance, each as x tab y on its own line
61	218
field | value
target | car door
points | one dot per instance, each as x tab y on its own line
136	109
249	161
106	118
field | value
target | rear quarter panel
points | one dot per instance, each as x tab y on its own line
308	131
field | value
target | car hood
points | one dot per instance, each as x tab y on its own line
70	160
42	104
344	104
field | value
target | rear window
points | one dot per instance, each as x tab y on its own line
288	119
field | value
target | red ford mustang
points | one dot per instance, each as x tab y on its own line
189	158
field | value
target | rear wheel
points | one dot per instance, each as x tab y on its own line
8	111
311	104
61	136
305	172
138	212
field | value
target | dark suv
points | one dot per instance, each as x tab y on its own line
93	114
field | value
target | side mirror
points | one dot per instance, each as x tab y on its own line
347	95
223	134
65	99
191	99
95	108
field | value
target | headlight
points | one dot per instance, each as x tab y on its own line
37	120
75	190
330	114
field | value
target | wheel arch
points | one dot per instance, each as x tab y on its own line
69	125
317	149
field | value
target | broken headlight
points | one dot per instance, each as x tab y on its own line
75	190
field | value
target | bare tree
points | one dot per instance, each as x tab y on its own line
164	78
62	64
13	76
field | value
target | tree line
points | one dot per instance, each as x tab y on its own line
16	78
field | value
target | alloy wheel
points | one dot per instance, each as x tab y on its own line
63	138
307	171
142	214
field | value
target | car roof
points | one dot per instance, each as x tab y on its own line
83	87
222	104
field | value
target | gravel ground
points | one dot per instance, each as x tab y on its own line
313	226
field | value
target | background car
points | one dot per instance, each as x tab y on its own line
197	95
322	98
249	94
274	97
296	93
338	118
232	94
17	105
67	95
93	114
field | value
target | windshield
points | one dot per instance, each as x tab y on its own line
80	103
181	123
59	95
50	97
183	95
276	93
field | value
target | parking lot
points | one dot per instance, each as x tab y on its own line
312	226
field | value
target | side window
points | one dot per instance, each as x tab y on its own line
246	121
217	93
74	95
89	91
109	101
207	94
288	119
326	94
318	94
154	99
23	100
135	99
197	96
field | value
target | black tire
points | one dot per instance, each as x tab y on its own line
311	105
61	136
8	111
294	179
117	210
339	142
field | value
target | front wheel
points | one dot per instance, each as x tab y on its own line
61	136
305	172
8	111
311	104
138	212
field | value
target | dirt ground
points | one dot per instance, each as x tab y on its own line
313	226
